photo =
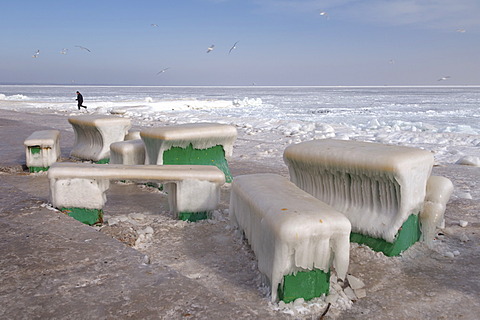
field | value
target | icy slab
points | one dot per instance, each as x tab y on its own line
127	152
439	189
94	134
83	185
42	148
200	135
376	186
289	230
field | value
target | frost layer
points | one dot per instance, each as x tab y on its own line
94	134
439	190
200	135
376	186
289	230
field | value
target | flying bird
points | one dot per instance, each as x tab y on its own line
324	14
83	48
233	47
64	51
461	30
444	78
35	55
154	25
162	71
210	48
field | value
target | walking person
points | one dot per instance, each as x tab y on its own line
80	100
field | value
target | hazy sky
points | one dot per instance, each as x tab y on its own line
284	42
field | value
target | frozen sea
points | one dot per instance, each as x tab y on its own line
442	119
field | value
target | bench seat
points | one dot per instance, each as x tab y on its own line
42	149
193	191
291	233
127	152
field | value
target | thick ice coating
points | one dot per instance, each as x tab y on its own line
200	135
289	230
94	134
49	143
376	186
192	188
127	152
439	190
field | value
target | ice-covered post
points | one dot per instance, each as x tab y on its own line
42	149
380	188
94	134
195	143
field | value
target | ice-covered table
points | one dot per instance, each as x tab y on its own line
94	134
195	143
380	188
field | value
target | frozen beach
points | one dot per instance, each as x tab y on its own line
438	282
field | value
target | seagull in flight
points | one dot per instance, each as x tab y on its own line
35	55
324	14
162	71
154	25
461	30
210	48
233	47
83	48
444	78
64	51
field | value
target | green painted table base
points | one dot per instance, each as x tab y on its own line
408	234
87	216
193	216
211	156
37	169
304	284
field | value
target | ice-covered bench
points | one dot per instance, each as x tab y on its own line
196	143
380	188
79	188
94	134
42	149
294	235
127	152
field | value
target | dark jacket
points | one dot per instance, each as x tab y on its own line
79	99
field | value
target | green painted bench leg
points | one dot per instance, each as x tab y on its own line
304	284
87	216
211	156
103	161
408	234
193	216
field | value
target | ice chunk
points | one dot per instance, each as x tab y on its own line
438	192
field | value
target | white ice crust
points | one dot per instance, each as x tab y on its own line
439	190
94	134
289	230
127	152
49	143
193	188
200	135
376	186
